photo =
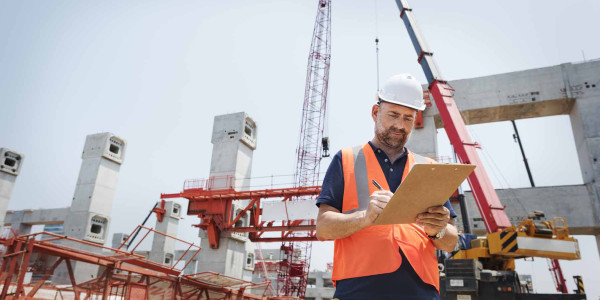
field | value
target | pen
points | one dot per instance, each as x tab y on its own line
377	185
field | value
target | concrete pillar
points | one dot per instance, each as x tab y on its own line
10	166
598	242
319	284
191	266
118	239
163	248
89	214
423	141
582	82
16	220
234	141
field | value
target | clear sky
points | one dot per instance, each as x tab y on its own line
156	73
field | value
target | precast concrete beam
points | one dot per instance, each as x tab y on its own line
571	202
37	216
523	94
568	89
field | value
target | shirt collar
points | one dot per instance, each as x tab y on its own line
380	152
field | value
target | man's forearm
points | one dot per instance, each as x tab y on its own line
448	242
333	225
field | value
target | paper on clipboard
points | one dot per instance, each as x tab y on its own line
426	185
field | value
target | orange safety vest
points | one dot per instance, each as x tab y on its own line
374	250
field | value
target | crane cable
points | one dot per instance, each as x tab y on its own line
377	41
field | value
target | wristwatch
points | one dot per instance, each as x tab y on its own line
439	235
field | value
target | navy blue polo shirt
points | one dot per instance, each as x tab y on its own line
403	283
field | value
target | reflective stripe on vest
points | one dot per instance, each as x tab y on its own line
374	250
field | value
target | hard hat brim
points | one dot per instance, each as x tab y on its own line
421	108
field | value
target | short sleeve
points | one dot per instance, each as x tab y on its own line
332	190
449	207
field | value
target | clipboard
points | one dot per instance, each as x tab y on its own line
426	185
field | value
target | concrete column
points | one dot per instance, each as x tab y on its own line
163	248
17	221
234	141
89	214
318	284
598	242
10	166
118	239
423	141
582	82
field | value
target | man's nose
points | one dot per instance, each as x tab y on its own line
401	124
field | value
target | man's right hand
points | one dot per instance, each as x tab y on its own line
379	199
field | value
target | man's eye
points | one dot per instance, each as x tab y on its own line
393	116
408	119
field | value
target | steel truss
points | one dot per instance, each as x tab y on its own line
124	274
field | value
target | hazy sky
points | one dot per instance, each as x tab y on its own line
156	73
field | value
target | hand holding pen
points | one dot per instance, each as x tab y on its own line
378	201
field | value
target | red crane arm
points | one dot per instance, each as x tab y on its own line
492	211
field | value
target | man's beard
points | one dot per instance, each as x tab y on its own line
393	141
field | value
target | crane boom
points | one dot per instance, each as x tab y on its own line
490	207
488	203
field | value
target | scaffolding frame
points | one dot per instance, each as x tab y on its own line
214	206
124	274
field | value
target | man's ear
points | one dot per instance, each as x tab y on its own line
374	112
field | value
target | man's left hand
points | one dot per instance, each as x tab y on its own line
434	219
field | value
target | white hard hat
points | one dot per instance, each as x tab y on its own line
403	89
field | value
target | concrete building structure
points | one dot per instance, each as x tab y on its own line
163	248
88	217
22	220
89	213
320	286
10	167
571	89
234	141
118	239
568	89
266	266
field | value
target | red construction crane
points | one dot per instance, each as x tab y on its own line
492	211
294	268
490	207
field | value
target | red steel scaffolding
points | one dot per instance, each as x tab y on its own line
122	274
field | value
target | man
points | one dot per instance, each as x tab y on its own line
384	261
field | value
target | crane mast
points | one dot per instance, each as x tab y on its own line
293	272
315	98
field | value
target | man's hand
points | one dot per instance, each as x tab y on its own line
434	219
379	199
